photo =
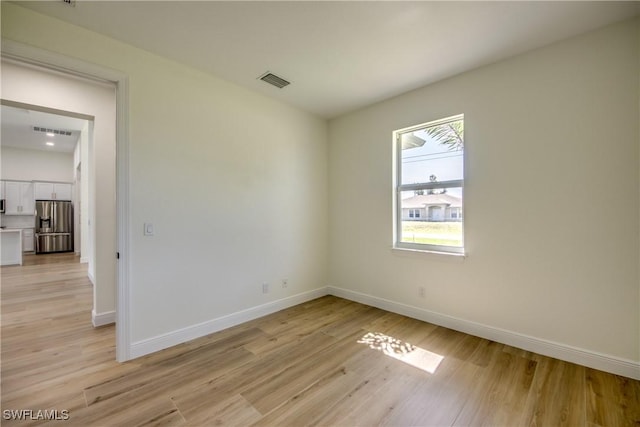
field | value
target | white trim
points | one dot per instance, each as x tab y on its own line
123	217
160	342
431	123
102	319
399	187
592	359
84	260
417	253
65	64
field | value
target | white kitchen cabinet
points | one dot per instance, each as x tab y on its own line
28	243
28	202
10	247
52	191
19	198
62	191
43	190
1	189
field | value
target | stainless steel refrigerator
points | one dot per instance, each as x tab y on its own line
54	226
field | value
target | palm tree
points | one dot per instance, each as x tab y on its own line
450	134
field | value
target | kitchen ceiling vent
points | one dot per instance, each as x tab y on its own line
53	131
274	80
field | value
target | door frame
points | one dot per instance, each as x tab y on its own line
72	66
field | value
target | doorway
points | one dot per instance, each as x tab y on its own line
44	152
26	78
436	213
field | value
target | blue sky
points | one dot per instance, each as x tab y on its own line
433	158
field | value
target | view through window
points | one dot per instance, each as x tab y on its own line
429	183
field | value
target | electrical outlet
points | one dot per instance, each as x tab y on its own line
265	288
421	292
285	283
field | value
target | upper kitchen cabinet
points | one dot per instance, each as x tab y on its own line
19	198
2	190
52	191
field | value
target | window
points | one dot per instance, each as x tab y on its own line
429	178
456	213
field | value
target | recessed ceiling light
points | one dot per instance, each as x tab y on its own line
50	144
50	134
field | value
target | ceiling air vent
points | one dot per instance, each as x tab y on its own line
53	131
272	79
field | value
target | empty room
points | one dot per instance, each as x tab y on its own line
321	213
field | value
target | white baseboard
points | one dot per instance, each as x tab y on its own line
591	359
91	278
160	342
101	319
603	362
84	260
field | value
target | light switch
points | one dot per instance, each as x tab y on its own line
148	229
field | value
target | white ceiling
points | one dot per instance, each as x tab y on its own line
339	56
16	130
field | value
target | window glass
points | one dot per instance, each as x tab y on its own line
429	186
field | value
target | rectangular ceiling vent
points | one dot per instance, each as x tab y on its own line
272	79
53	131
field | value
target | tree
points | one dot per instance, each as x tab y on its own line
433	178
450	134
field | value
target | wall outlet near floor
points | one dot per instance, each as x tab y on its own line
265	288
285	283
421	292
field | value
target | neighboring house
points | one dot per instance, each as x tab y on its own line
432	207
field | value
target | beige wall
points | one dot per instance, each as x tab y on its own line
552	138
36	165
235	184
554	130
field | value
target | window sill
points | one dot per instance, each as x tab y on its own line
445	256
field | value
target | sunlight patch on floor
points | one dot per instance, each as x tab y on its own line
403	351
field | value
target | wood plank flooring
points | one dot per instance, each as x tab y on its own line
324	363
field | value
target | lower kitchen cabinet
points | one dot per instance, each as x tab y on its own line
28	242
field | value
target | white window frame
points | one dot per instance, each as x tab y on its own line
398	188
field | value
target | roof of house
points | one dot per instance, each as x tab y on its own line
432	199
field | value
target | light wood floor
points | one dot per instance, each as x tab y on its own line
312	364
